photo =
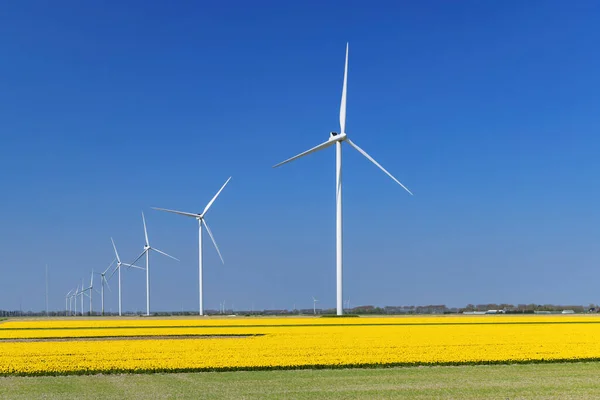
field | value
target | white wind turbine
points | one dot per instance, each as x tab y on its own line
315	301
146	252
104	281
201	221
74	296
81	295
89	290
74	299
337	139
68	295
118	268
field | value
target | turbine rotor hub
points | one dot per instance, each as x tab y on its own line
337	137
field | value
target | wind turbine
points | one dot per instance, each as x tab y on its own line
81	295
315	301
75	298
119	264
201	221
146	252
67	301
338	139
89	290
71	299
74	301
104	281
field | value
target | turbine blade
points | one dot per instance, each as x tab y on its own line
213	239
114	271
145	231
187	214
364	153
107	285
138	257
111	264
214	198
133	266
116	252
344	92
164	254
307	152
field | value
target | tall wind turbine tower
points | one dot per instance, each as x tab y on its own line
337	139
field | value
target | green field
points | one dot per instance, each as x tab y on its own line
529	381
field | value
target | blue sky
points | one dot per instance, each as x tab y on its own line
487	111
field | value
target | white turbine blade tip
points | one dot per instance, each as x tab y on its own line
187	214
145	230
133	266
307	152
165	254
116	252
215	197
344	95
364	153
213	240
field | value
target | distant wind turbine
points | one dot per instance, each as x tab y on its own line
146	252
81	296
89	290
74	298
201	221
315	301
118	268
338	139
67	297
104	281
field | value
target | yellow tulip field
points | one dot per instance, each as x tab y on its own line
80	346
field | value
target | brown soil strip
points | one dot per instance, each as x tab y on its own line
94	339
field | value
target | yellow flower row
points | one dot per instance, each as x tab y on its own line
304	346
137	322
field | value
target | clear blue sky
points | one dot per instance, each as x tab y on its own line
487	111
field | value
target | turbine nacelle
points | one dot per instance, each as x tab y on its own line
337	137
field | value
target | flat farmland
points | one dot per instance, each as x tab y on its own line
146	345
